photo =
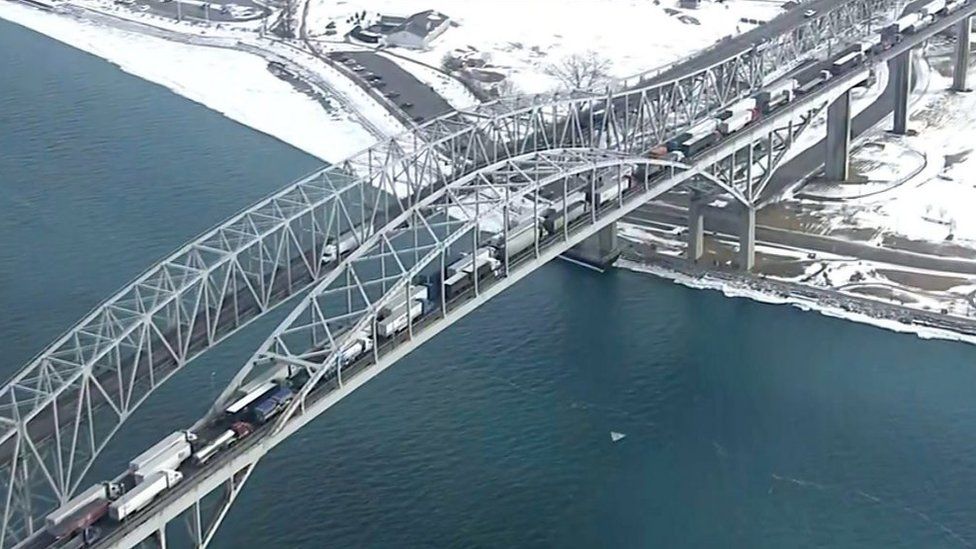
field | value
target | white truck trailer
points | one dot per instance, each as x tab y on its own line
398	319
100	491
163	447
143	494
167	461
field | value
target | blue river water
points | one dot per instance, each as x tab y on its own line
747	425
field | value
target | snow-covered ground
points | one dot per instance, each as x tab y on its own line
920	289
188	25
234	83
936	201
520	39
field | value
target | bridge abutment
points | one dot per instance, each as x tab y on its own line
696	228
599	250
747	238
960	70
903	91
837	163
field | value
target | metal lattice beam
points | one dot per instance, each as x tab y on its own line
61	410
446	222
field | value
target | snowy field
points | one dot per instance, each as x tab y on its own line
521	38
934	173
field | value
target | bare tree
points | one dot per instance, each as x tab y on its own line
451	62
581	71
505	88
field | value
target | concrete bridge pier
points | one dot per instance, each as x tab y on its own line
599	250
747	238
837	163
960	71
696	228
903	91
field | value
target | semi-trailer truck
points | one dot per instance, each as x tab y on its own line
748	104
775	95
239	430
211	448
143	494
698	144
460	282
355	348
520	238
554	219
735	122
336	247
608	191
814	82
932	8
103	491
271	405
891	33
417	292
169	460
261	384
399	318
846	62
163	447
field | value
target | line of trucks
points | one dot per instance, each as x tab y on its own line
149	474
158	469
258	401
809	77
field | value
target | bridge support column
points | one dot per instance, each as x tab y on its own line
903	91
599	250
747	238
696	228
960	71
837	163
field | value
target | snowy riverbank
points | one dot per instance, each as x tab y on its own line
233	83
743	290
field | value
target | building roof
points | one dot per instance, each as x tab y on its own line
422	23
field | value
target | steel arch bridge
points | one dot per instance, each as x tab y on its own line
62	409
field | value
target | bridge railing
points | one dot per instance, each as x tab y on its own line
388	263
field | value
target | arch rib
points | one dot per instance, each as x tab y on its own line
248	452
214	286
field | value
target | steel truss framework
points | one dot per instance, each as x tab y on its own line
60	411
417	244
445	223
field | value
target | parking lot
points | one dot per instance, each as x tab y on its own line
416	99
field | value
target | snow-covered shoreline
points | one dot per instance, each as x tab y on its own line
208	64
232	82
730	290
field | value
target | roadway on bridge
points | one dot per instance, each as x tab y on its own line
781	24
745	41
810	160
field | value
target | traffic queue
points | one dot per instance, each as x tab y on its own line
809	77
257	402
